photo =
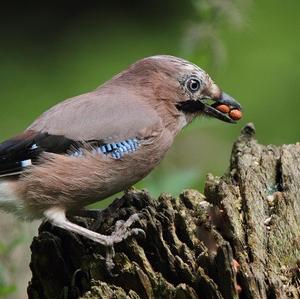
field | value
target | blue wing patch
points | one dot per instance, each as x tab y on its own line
115	149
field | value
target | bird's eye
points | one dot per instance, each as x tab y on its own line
193	84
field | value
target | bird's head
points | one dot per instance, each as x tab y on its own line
184	88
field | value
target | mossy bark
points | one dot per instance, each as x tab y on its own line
239	240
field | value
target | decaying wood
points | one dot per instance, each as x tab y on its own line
240	240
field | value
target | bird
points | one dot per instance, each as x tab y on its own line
94	145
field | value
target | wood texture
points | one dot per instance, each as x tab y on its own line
239	240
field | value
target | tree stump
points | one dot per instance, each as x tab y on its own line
239	240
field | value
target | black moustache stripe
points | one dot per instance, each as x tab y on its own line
190	106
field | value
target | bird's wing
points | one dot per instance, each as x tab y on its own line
103	117
102	114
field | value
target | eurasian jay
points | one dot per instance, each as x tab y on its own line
89	147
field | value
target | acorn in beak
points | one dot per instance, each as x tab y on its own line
224	108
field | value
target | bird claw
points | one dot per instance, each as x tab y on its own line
122	232
138	231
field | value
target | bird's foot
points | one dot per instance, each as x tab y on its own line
122	232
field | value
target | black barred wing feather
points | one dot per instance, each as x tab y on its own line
23	150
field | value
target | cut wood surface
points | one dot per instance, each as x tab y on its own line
239	240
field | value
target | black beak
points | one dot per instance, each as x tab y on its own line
225	99
229	101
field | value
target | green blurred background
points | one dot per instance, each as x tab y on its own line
55	50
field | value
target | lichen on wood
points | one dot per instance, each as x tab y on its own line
239	240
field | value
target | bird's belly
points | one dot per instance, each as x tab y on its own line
130	170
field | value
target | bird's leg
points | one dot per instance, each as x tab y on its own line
57	216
